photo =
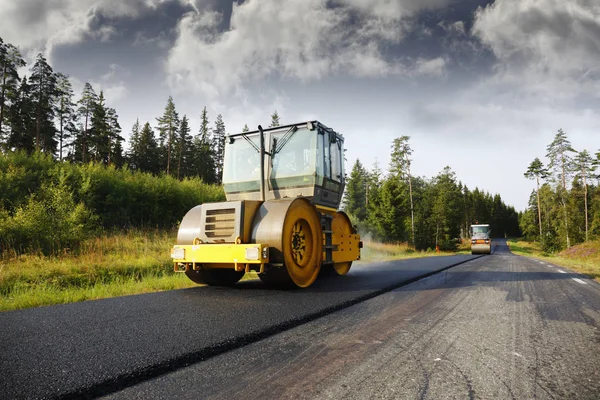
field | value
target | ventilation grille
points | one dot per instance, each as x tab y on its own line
220	223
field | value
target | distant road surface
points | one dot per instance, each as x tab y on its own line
498	326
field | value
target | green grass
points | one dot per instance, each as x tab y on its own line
583	258
108	266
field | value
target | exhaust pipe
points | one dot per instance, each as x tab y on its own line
262	163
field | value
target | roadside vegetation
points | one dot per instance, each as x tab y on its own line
583	258
106	266
119	264
71	232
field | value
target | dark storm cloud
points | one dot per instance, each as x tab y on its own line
137	44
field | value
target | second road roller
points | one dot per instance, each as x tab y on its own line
283	187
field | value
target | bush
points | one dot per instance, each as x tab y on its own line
49	206
50	222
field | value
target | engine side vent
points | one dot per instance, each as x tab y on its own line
221	222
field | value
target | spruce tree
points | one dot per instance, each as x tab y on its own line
134	141
147	150
184	149
203	164
274	119
22	120
400	167
99	139
219	146
114	138
356	192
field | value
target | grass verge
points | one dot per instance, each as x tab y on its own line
107	266
583	258
120	264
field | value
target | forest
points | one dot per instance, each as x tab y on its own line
427	213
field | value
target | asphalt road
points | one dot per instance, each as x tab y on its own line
98	347
498	327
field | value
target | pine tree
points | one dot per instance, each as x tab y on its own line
536	170
45	93
219	146
10	61
561	163
87	104
65	112
168	125
585	166
274	119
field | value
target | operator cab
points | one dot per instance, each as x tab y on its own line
481	231
304	159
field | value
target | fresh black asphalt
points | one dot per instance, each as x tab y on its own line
92	348
499	327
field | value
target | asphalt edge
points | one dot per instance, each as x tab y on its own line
124	381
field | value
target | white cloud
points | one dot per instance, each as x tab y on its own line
548	47
295	39
431	67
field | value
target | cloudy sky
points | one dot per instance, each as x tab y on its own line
479	85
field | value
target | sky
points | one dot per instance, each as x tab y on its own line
481	86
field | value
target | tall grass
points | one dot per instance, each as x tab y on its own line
106	266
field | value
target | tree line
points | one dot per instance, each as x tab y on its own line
399	207
564	207
40	113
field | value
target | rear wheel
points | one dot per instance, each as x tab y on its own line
215	276
341	224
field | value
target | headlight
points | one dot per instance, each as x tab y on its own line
177	253
251	253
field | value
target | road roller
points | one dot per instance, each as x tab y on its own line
283	187
481	242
